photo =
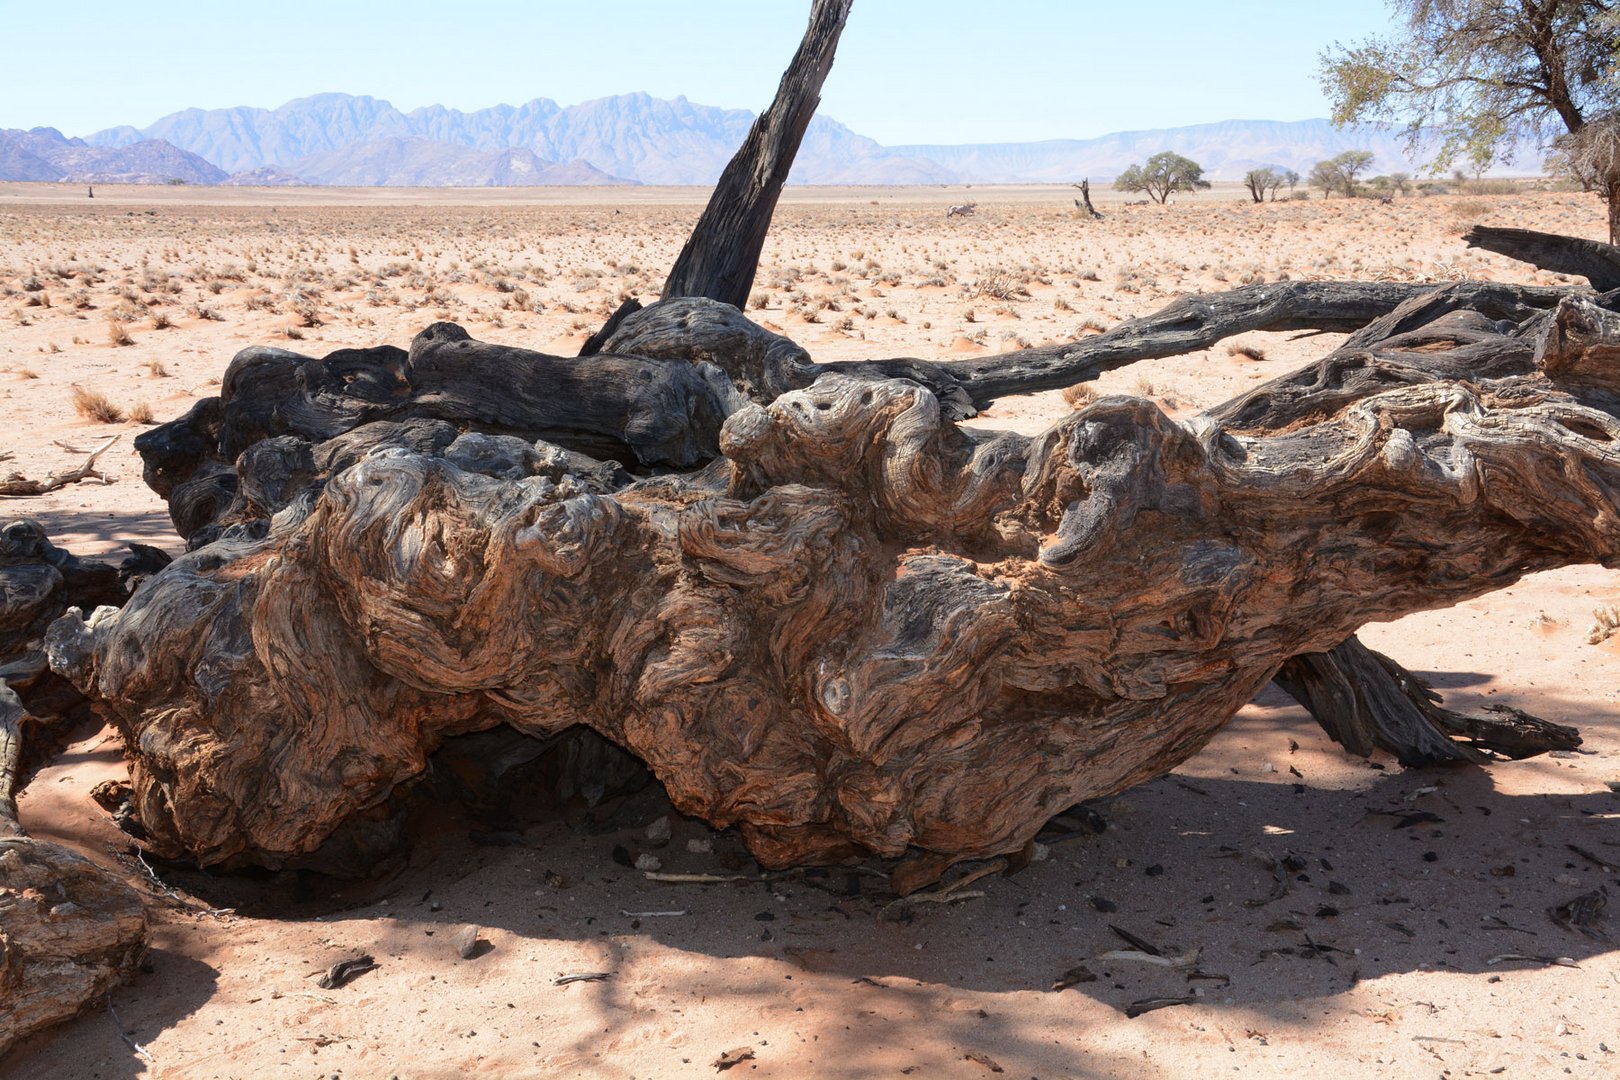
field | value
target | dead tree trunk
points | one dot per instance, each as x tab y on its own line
1598	262
860	627
722	253
1084	202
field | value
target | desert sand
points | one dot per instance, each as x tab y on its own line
1386	955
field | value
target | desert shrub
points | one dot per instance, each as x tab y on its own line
1079	394
93	405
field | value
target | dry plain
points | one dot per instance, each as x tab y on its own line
1384	958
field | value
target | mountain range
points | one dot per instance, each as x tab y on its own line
342	139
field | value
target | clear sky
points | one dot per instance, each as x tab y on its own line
907	70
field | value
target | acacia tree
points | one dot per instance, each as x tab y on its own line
1163	174
1261	181
1339	173
1484	75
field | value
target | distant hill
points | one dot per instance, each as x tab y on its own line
634	137
429	163
46	154
637	138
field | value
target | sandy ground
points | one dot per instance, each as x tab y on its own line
1382	959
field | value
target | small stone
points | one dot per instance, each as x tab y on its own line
700	845
659	831
465	939
1039	852
1567	879
648	861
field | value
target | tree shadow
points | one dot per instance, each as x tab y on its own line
1296	873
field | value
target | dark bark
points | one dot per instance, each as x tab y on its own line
593	344
1598	262
720	258
1084	202
1367	702
38	582
1193	323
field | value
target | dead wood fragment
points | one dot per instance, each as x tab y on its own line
344	972
1147	1005
582	976
17	486
1594	260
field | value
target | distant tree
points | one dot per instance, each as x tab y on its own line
1291	178
1339	173
1162	175
1401	182
1484	75
1261	181
1324	176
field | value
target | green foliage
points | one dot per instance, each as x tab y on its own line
1260	182
1163	174
1338	174
1481	74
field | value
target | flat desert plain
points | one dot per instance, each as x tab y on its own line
1405	945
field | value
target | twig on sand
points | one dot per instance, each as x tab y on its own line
19	486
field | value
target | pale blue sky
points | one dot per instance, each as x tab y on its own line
907	70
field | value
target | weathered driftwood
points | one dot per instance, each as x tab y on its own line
1594	260
16	485
721	255
863	628
69	930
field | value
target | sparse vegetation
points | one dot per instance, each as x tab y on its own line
1163	175
94	405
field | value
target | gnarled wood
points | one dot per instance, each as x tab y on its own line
69	930
863	628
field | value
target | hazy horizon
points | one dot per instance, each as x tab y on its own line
1029	77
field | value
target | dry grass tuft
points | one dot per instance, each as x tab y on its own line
1606	620
95	406
141	413
1250	352
1079	395
117	335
